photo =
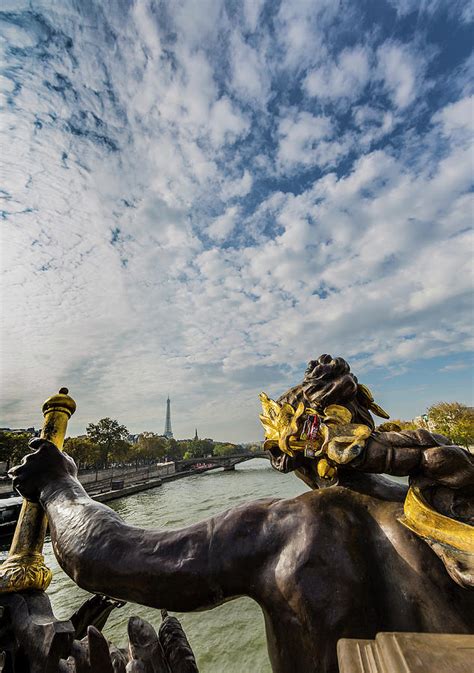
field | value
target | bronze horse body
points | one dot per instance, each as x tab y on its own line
328	564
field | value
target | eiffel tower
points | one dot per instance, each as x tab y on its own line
168	433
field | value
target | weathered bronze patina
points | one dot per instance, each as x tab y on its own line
439	505
32	640
332	563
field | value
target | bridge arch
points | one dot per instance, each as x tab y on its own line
214	462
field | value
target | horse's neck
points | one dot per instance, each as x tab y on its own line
375	485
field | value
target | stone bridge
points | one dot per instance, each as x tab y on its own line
229	462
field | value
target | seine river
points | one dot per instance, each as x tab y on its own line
228	639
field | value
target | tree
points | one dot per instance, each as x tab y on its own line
122	451
402	425
85	452
174	451
110	436
13	447
151	447
455	420
227	449
198	448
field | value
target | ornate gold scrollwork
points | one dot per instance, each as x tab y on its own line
338	441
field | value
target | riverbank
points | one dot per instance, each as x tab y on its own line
119	483
143	486
113	478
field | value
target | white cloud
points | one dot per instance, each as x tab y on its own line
192	94
455	366
399	71
124	145
147	28
195	21
467	11
405	7
399	68
238	188
344	78
458	116
303	140
222	226
252	10
373	124
250	79
302	28
226	122
462	10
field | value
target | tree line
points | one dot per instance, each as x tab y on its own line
451	419
107	442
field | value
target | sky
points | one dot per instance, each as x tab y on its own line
199	196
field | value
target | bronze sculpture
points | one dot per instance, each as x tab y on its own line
25	567
32	640
331	563
323	430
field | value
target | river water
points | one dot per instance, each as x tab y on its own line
230	638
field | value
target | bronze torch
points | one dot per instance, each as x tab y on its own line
24	567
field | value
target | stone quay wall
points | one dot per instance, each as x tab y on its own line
99	481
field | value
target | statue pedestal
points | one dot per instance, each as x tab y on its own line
407	652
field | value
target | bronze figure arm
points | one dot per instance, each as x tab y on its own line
193	568
417	453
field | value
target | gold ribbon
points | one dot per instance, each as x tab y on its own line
423	520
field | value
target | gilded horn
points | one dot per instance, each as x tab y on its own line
24	567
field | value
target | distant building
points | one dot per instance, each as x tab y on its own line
168	433
424	421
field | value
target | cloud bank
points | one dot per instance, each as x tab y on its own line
199	197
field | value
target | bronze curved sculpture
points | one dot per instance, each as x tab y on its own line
331	563
323	430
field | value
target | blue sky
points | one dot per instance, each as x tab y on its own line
200	196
